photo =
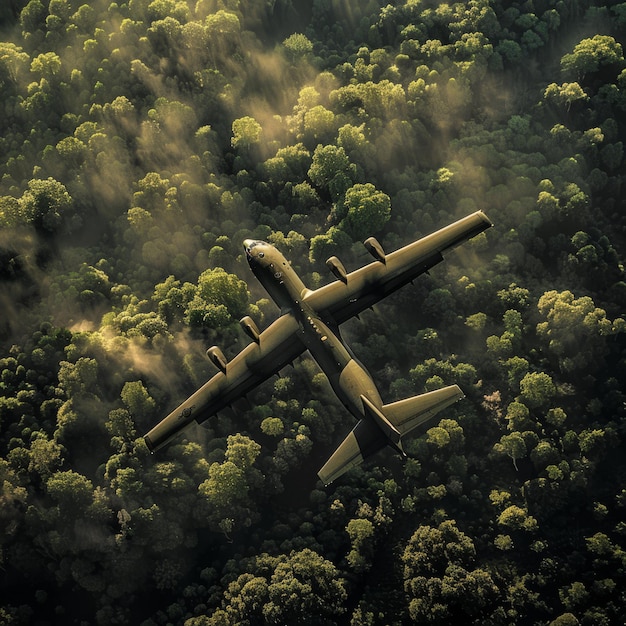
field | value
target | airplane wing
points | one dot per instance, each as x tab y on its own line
368	285
277	346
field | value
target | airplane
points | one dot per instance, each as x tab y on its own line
310	320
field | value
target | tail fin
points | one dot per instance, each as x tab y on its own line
392	421
405	415
380	419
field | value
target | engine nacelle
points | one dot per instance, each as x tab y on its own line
375	249
217	358
337	268
250	328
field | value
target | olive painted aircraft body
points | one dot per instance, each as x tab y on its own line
309	320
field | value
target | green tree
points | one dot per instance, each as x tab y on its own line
574	329
438	579
513	445
516	518
33	16
13	64
331	170
137	400
364	210
220	297
45	456
591	54
72	491
565	95
297	47
46	204
228	490
78	378
46	65
246	133
13	496
361	533
537	389
305	588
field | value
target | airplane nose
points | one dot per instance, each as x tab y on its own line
247	243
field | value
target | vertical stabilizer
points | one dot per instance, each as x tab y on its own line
388	429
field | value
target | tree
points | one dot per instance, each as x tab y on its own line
137	400
72	491
45	456
591	54
297	47
220	297
361	533
223	32
46	65
565	619
574	329
78	378
242	451
12	497
365	211
319	124
246	132
13	64
438	579
565	95
228	486
33	16
331	170
514	446
537	389
329	244
46	204
305	588
516	518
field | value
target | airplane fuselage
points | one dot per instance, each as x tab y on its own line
348	378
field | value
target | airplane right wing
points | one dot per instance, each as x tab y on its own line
277	346
368	285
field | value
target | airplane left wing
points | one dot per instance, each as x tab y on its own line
276	347
368	285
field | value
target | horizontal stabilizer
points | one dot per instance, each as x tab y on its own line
408	414
346	456
387	426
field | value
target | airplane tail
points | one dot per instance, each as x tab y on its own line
392	421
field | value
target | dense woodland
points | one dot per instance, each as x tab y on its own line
142	141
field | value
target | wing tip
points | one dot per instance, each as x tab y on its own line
485	218
149	443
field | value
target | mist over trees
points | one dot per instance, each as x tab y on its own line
142	141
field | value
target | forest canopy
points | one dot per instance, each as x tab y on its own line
142	141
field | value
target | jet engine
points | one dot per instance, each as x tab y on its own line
217	357
375	249
250	328
337	268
